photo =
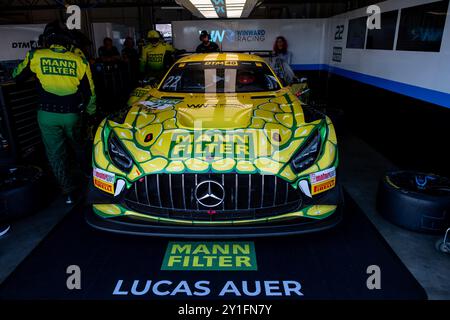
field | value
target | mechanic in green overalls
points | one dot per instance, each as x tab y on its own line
154	56
66	90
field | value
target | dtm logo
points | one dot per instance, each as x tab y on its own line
24	45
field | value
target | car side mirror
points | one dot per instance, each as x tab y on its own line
299	80
149	81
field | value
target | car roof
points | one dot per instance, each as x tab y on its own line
228	56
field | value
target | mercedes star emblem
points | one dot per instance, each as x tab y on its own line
209	193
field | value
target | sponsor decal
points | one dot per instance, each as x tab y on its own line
62	67
24	45
155	57
140	92
337	54
215	105
196	106
104	180
222	63
245	35
212	144
212	256
323	175
323	180
159	104
323	186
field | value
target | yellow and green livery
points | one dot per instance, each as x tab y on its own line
218	148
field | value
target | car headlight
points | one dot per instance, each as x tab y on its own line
307	154
119	157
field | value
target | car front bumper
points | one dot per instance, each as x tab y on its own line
114	217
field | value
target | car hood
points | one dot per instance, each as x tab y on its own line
219	133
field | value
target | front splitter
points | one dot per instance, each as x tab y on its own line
142	228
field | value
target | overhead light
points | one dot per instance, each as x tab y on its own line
234	8
219	9
234	13
209	14
205	7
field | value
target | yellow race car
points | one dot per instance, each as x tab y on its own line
219	148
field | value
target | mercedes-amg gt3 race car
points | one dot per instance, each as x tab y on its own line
218	149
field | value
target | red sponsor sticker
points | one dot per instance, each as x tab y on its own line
323	186
105	186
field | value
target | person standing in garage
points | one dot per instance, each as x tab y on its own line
65	89
281	60
207	45
154	55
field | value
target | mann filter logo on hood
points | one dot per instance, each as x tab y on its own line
211	145
214	256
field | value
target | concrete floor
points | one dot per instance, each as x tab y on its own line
361	168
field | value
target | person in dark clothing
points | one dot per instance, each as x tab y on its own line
129	52
80	44
107	52
131	57
207	45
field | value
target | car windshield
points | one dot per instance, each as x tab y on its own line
220	77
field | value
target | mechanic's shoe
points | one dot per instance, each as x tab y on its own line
75	196
4	229
69	199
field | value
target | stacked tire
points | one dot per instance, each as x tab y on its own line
21	191
415	201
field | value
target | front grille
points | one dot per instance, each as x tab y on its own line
247	196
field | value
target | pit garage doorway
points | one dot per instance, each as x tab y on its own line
384	91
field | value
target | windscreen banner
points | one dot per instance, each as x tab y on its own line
304	36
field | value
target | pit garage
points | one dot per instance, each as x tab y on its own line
193	151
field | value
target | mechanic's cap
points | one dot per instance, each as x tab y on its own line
204	33
55	33
52	28
153	34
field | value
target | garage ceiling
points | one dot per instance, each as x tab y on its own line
271	9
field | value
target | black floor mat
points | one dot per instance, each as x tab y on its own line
328	265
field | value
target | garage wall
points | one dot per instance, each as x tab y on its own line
397	101
422	75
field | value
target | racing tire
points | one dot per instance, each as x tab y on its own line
442	247
21	191
415	201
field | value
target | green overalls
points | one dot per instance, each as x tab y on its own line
152	59
65	86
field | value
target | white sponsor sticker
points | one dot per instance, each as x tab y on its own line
104	175
159	104
104	180
323	175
